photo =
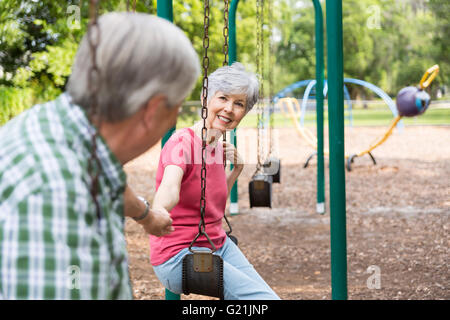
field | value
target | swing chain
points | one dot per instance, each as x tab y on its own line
270	75
94	88
263	114
225	56
225	32
202	224
204	114
260	70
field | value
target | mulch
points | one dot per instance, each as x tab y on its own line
397	218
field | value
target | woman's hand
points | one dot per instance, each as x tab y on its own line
232	155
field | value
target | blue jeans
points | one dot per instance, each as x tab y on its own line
240	279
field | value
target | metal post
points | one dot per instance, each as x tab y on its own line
232	56
320	206
337	161
164	9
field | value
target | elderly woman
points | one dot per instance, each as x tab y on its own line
232	93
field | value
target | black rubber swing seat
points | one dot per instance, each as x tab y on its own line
260	190
203	274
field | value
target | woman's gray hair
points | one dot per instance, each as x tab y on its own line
139	56
234	79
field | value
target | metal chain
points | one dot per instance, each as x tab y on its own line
225	32
259	63
263	62
225	54
202	224
270	75
94	112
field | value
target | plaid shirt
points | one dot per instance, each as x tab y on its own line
52	245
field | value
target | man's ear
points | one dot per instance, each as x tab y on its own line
155	104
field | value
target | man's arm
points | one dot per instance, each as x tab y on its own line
157	222
133	207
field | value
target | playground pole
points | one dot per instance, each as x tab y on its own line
164	9
232	56
320	206
337	153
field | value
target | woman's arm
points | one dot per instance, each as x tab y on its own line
168	193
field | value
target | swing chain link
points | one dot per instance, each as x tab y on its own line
259	70
270	75
262	64
94	88
204	114
225	32
225	55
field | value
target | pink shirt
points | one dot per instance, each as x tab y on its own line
183	149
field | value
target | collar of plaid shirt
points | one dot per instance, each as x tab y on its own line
111	168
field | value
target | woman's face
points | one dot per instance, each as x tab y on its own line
225	111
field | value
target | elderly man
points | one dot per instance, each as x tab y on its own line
54	241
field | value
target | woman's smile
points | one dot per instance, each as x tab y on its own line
224	119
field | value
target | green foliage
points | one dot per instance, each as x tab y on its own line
13	101
388	43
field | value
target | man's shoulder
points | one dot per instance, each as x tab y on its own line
34	153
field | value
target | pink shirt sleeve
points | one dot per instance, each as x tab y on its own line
177	151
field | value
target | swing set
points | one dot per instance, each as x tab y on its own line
203	272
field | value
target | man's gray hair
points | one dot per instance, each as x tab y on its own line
234	79
139	56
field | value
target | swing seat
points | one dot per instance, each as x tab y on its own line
260	190
203	274
272	167
233	238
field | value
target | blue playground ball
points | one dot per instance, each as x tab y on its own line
411	101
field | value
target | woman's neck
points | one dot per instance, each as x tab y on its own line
212	136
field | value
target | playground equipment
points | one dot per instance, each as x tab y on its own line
267	172
336	132
411	101
337	176
309	92
308	136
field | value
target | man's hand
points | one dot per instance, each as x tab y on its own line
158	222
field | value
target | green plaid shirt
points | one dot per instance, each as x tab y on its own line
52	245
